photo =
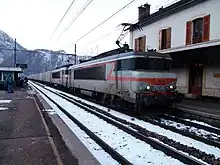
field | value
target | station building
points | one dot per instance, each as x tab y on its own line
189	30
6	71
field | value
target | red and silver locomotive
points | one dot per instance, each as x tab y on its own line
137	78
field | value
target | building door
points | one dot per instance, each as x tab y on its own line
195	78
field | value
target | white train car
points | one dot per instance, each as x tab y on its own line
60	76
47	77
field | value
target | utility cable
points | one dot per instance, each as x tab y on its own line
88	2
104	36
62	18
103	22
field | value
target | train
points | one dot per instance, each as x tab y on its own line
140	79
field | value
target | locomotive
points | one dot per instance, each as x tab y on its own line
129	78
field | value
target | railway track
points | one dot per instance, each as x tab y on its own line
203	131
92	135
210	140
152	138
193	124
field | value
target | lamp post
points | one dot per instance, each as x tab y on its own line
15	53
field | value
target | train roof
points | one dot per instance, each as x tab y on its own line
67	65
59	69
130	54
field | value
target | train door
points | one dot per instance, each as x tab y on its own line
118	76
69	77
61	77
66	77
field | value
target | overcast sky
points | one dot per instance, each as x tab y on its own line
33	21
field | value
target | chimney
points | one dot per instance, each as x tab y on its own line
147	9
143	11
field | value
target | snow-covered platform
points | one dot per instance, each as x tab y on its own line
27	136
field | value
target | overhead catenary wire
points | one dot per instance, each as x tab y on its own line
112	32
88	2
103	22
68	9
104	36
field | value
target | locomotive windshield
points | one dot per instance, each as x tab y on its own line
144	64
152	64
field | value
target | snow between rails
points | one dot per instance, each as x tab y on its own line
161	131
135	150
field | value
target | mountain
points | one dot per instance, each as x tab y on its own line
37	61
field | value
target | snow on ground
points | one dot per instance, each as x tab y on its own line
3	108
50	111
197	122
197	131
199	160
202	123
161	131
122	142
5	101
92	146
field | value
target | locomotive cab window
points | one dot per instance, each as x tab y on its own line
152	64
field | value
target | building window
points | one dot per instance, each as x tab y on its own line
140	44
198	30
165	39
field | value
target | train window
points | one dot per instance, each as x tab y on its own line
66	72
126	64
152	64
118	65
56	75
94	73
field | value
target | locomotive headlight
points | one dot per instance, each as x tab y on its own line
145	87
171	87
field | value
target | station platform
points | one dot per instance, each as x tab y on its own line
29	136
207	108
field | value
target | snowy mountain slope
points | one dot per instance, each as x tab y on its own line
38	60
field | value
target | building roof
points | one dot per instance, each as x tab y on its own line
165	12
10	69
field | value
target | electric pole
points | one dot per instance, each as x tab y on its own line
75	54
15	53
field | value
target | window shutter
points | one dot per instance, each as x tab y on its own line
206	28
168	38
144	43
160	39
136	44
188	32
